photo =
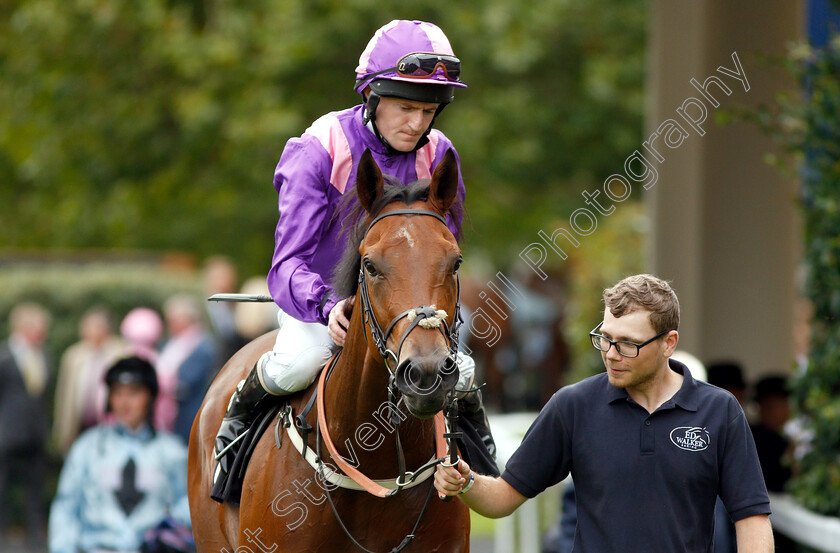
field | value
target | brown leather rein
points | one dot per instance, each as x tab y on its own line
380	339
355	474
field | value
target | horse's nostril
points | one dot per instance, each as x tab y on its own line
448	366
414	375
406	373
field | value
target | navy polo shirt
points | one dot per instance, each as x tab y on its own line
645	482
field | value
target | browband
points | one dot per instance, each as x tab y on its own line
405	212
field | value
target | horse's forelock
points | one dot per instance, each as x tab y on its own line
345	278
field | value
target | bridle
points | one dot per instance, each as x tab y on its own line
417	315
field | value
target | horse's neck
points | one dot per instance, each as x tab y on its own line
359	410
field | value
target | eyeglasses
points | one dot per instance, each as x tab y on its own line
419	65
623	347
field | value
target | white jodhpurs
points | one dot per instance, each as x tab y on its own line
302	349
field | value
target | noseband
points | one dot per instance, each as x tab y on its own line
416	315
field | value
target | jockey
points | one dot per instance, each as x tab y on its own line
406	76
121	478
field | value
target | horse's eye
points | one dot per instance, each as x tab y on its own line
457	265
370	268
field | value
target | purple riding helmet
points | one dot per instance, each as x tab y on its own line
411	60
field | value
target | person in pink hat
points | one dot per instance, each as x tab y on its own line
142	328
406	76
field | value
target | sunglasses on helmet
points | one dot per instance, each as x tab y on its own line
419	65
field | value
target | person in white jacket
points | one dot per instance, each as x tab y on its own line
122	477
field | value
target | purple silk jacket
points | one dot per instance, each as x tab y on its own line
314	172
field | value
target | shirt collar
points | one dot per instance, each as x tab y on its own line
143	432
369	137
19	346
686	396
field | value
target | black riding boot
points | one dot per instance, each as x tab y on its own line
480	447
238	417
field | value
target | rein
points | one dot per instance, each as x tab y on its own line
369	485
426	317
366	483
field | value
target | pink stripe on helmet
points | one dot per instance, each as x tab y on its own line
364	59
327	129
426	156
440	44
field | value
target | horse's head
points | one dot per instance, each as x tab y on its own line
407	281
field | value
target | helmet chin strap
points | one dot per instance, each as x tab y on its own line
389	150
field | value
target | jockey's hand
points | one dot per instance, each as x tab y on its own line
451	480
339	320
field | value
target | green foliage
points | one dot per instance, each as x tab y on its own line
610	254
554	107
67	291
815	139
157	124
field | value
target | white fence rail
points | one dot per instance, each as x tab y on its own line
520	531
803	526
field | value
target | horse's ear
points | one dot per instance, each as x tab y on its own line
369	184
444	186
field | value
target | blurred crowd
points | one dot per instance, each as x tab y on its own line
166	359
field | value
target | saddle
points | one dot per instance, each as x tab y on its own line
228	488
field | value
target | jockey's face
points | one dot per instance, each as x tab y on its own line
403	122
130	403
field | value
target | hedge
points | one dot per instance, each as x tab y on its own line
67	290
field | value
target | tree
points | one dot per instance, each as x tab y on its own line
817	390
808	127
157	124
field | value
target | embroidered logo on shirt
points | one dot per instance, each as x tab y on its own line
690	438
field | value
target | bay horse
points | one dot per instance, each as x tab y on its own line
401	264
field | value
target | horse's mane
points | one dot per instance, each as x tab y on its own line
345	277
